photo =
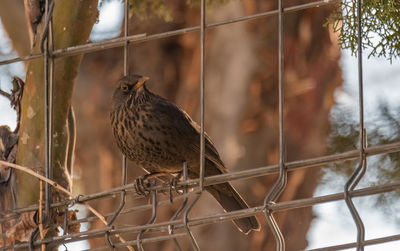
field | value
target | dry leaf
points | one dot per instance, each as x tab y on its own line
21	230
75	228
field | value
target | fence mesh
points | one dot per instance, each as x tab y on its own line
178	228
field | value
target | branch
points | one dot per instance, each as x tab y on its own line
5	94
33	173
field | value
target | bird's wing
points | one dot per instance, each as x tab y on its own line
211	152
190	130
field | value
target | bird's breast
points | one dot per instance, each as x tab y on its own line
143	139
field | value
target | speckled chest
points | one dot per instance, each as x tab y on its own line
145	139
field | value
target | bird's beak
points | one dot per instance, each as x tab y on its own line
141	82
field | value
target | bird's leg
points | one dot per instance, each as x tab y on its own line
143	183
172	183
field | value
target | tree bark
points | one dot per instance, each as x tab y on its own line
72	23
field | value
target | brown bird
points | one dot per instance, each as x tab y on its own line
158	136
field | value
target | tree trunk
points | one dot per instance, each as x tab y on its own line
72	23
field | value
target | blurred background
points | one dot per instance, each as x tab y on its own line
241	75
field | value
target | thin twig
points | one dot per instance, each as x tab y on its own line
33	173
5	94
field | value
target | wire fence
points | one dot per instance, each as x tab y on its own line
178	228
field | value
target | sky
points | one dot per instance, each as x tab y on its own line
381	83
7	115
333	223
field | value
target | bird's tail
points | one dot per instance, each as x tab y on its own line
230	200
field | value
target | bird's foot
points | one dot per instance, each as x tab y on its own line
172	183
143	184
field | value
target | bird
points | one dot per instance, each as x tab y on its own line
158	136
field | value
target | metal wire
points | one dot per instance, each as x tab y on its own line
180	209
280	183
185	224
65	224
193	241
361	169
354	244
151	221
32	238
47	46
222	178
140	38
216	218
126	72
123	173
284	205
330	248
202	92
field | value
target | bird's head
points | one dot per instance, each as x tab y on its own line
128	87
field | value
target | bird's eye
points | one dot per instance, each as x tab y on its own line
124	87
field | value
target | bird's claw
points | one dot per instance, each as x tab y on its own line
172	183
142	185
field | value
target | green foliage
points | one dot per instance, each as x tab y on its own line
148	8
380	26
